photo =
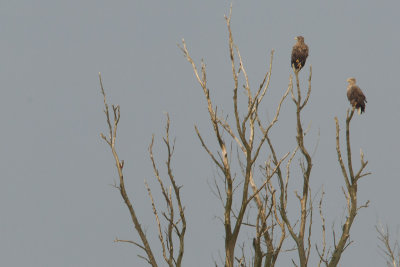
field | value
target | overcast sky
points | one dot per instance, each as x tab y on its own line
57	207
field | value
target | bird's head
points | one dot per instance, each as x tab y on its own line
299	39
351	80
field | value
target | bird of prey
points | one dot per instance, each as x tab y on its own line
355	95
299	53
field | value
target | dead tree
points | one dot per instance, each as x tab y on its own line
175	223
247	137
271	202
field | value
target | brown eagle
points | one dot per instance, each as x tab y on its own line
299	53
355	95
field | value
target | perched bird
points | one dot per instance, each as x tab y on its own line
355	95
299	53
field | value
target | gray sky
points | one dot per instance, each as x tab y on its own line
56	205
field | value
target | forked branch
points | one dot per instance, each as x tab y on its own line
242	132
112	127
350	191
171	196
391	252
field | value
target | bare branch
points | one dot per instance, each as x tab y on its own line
160	235
172	226
350	192
389	250
119	164
266	181
323	225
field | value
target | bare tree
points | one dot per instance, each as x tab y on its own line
174	227
253	199
271	213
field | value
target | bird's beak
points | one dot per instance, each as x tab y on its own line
296	38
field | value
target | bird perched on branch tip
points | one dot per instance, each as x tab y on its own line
355	96
299	53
